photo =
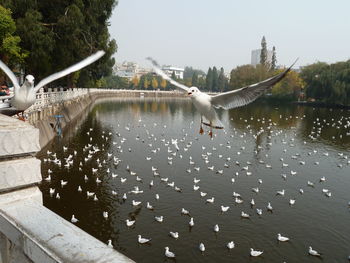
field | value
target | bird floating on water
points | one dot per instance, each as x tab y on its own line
230	245
201	247
282	238
174	234
313	252
168	253
74	219
143	240
255	253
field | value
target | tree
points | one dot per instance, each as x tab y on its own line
263	53
209	80
194	80
221	81
61	33
274	59
10	50
215	80
242	76
288	88
328	83
146	83
135	82
154	83
163	84
315	76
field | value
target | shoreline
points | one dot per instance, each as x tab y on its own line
322	105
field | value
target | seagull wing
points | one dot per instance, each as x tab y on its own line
12	77
165	76
240	97
69	70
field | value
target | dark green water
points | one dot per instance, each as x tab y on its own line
256	137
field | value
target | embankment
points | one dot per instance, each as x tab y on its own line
70	110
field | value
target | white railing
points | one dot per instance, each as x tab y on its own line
55	95
58	95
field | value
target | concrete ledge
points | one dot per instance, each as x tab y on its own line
19	172
17	137
46	237
32	193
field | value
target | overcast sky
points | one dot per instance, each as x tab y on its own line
222	33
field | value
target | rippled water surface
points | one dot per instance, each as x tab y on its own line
260	141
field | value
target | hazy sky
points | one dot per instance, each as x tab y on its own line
222	33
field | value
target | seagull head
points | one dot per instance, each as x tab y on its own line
30	80
193	91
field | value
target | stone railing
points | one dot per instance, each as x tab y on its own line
29	232
55	95
58	95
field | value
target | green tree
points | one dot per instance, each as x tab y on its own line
242	76
315	76
209	80
328	83
274	59
10	50
263	53
215	79
221	81
61	33
289	88
194	81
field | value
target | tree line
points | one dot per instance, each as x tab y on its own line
43	37
329	83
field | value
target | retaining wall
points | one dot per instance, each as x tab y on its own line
44	120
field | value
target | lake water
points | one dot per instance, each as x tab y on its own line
284	146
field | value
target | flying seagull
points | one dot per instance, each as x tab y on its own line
24	96
206	103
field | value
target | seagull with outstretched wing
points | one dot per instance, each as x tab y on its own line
206	103
24	96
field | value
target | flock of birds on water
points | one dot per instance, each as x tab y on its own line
176	148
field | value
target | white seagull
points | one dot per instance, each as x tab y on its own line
174	234
205	103
24	96
282	238
201	247
142	240
313	252
74	219
230	245
255	253
168	253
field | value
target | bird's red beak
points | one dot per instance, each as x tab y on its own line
189	93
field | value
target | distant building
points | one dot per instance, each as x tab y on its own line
169	70
255	58
129	70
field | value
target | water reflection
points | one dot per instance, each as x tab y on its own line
126	131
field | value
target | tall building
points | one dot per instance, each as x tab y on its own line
255	58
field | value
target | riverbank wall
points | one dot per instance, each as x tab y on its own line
44	118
